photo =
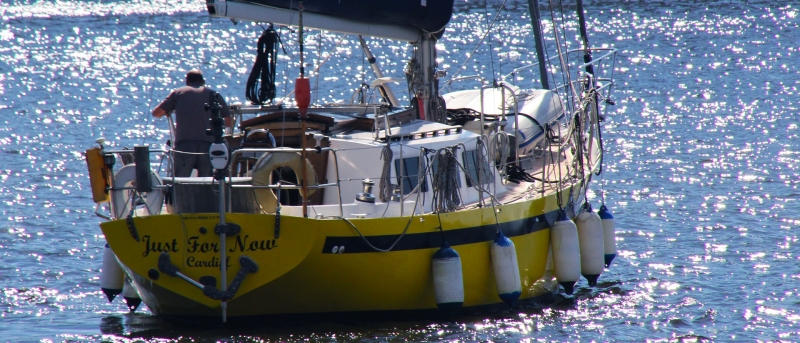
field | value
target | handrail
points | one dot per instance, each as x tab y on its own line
464	78
504	86
282	186
112	188
239	152
607	59
257	150
113	182
111	152
250	109
516	119
594	61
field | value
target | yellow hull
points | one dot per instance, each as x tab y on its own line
299	273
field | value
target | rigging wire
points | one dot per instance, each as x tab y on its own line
491	50
420	183
153	76
319	57
557	165
566	76
564	65
461	67
315	72
545	50
285	88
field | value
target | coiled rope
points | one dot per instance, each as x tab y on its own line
446	196
264	69
385	184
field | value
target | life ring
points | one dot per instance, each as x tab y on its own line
262	176
120	199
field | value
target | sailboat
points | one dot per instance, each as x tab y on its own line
466	200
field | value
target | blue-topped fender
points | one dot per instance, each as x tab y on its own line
506	268
448	280
609	234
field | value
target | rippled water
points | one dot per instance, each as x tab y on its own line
701	169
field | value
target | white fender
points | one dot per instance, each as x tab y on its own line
506	268
132	299
566	253
121	199
448	280
609	235
112	277
590	237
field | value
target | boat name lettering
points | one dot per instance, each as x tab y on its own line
243	245
212	262
200	217
156	246
195	246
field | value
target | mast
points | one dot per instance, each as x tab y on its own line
303	98
587	54
428	60
422	79
536	25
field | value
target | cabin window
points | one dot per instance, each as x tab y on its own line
408	170
470	164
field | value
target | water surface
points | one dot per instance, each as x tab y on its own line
701	169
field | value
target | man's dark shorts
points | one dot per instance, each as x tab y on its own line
192	154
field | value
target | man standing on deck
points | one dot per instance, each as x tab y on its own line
192	119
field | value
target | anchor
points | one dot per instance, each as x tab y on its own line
248	266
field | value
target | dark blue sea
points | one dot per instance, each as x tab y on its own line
701	171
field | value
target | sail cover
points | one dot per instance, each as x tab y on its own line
395	19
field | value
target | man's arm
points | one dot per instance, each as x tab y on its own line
158	112
166	106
